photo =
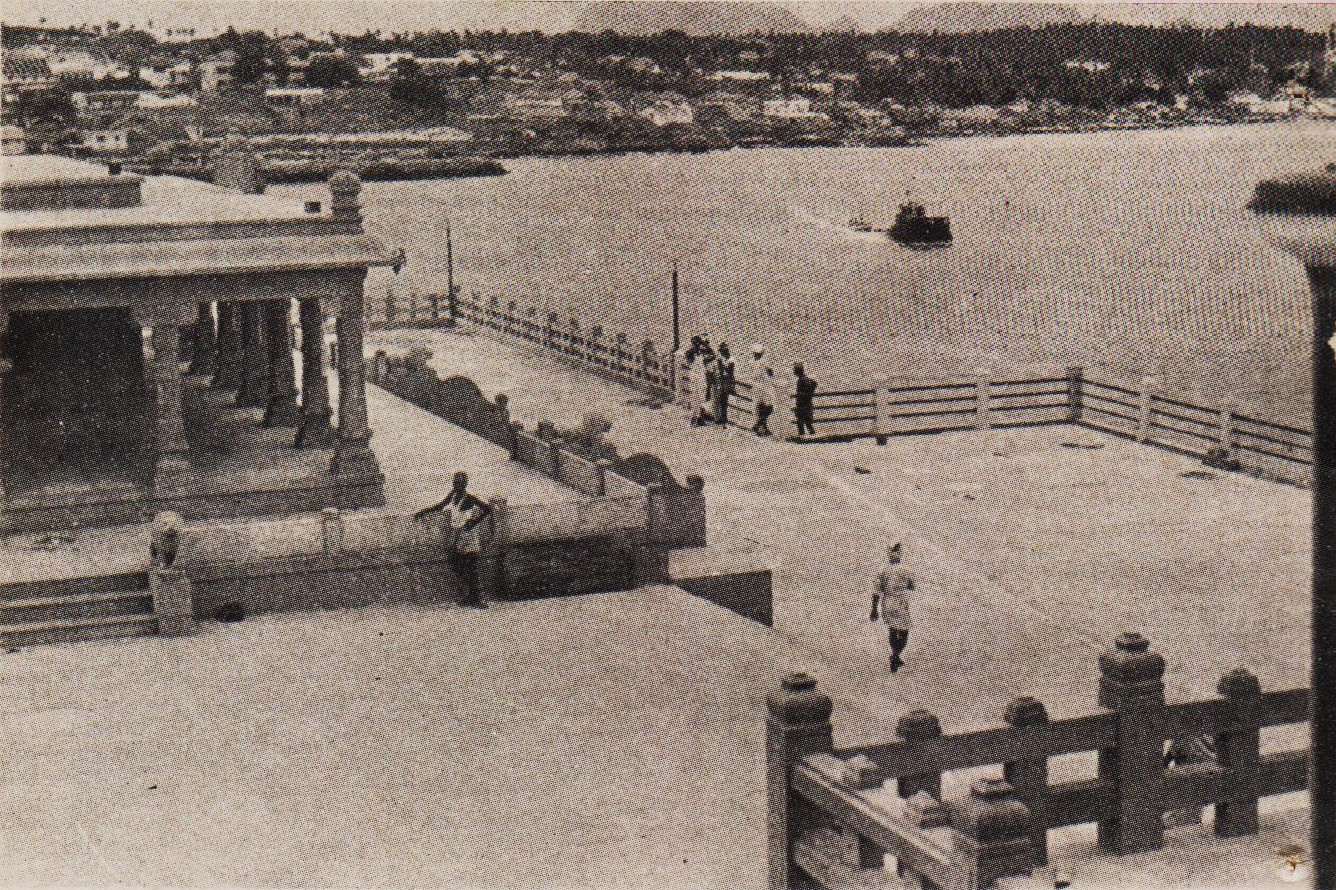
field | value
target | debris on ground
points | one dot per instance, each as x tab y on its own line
1198	474
54	541
1086	446
862	471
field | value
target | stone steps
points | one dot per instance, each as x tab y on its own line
71	610
78	630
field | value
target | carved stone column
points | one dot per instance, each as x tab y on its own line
253	389
281	409
352	455
227	374
205	354
315	430
171	466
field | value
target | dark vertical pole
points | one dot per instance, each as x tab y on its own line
450	275
1321	785
677	333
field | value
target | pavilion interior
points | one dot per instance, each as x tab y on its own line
79	424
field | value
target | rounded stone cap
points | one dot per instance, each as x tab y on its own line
1239	683
1131	661
167	522
991	813
798	701
917	725
695	483
1026	711
344	181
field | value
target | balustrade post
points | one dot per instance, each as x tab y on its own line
1237	752
1075	393
173	602
204	355
1131	684
797	724
1228	408
919	726
885	411
1150	385
983	384
1030	777
991	835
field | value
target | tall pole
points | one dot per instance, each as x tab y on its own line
450	275
1301	215
677	332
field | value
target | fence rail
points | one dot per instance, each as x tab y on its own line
1142	411
835	812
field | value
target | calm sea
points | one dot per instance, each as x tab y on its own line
1119	251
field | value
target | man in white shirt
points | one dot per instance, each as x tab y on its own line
465	513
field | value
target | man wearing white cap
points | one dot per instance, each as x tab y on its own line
890	594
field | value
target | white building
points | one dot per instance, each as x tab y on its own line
104	141
162	77
164	100
294	97
797	108
380	66
740	75
661	114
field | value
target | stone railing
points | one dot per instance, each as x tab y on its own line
834	813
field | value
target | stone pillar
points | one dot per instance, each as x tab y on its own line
797	724
991	835
315	430
253	387
1030	777
6	366
173	602
281	408
352	453
171	465
205	355
227	374
1131	683
1239	752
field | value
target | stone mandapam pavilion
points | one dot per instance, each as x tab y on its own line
146	346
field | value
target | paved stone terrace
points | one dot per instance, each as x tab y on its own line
1032	556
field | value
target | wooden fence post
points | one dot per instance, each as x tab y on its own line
577	340
1132	684
983	381
1030	777
1075	391
1237	752
885	413
1150	384
797	724
604	466
1226	430
550	331
992	838
919	726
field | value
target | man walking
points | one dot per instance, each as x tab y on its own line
764	394
803	392
726	372
890	595
465	513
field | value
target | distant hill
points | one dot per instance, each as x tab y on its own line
698	19
960	17
1308	16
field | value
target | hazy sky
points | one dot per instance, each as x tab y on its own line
355	16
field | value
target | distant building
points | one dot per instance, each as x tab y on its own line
381	66
661	114
153	101
20	74
529	107
740	75
81	64
13	141
797	108
294	97
104	100
164	76
1093	66
104	141
216	72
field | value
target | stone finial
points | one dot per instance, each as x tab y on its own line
344	189
1130	672
859	772
1239	683
991	813
1026	711
166	540
926	811
798	701
695	483
917	726
502	400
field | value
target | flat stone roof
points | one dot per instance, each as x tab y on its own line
167	200
43	169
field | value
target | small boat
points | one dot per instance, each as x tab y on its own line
914	228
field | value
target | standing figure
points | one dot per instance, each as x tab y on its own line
465	513
804	390
710	375
726	372
890	598
765	394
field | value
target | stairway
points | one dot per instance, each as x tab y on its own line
75	609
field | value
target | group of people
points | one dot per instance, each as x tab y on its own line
712	376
